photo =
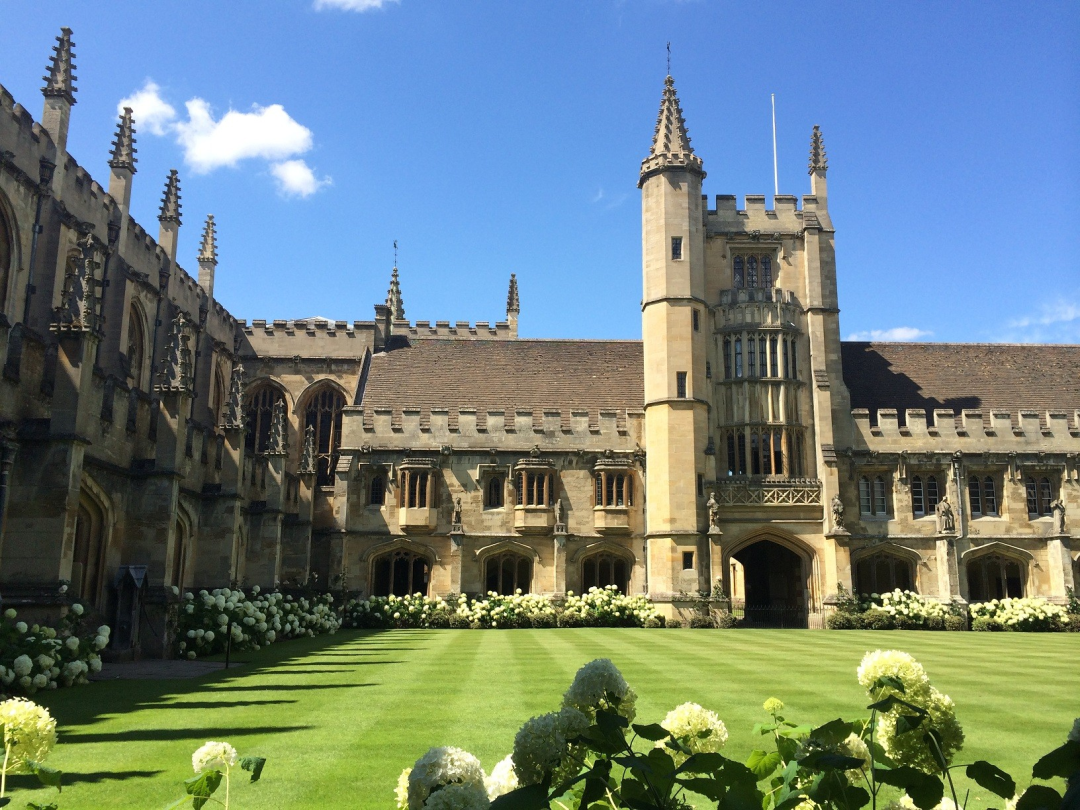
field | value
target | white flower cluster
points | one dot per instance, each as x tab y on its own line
35	657
918	610
600	685
208	619
449	771
543	746
29	733
909	748
1027	614
213	756
697	728
600	607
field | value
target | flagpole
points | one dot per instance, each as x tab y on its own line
775	174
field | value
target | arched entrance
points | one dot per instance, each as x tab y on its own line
770	582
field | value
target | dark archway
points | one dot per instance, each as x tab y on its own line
774	582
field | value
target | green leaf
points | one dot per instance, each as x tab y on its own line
833	732
5	801
1039	797
202	787
786	747
791	800
36	806
709	788
908	722
653	731
50	777
255	765
609	720
530	797
764	728
741	796
933	739
992	778
890	682
763	764
925	790
703	763
1063	762
826	761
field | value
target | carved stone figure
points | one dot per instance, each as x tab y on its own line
946	517
1057	512
714	511
455	518
837	513
558	511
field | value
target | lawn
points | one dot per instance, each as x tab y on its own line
339	717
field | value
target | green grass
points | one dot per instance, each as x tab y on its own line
339	717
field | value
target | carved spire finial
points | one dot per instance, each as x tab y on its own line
278	436
234	408
175	372
170	200
61	78
818	160
393	296
307	456
671	143
123	152
208	248
513	303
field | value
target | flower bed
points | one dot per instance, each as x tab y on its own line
599	607
35	657
895	610
205	621
1026	615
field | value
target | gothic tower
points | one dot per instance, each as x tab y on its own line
674	334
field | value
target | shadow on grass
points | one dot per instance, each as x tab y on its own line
161	734
284	672
331	664
69	779
284	688
209	704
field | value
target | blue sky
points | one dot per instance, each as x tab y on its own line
498	137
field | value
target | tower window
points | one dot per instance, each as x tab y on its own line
874	497
727	358
708	370
676	248
737	271
696	317
700	485
688	560
680	384
1040	494
766	271
751	365
738	357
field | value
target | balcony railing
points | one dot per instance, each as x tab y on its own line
766	492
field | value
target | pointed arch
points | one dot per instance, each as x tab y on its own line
262	394
997	571
506	545
399	567
181	553
137	349
507	567
885	567
94	522
778	582
604	563
320	407
9	253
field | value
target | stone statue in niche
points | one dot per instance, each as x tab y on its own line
456	516
558	511
838	513
946	517
714	513
1057	512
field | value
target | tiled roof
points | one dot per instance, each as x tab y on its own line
524	374
958	376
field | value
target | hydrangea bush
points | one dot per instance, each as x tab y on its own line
35	657
213	764
599	607
590	754
207	619
29	735
1027	614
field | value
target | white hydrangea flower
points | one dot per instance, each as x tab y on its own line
542	745
77	609
21	627
464	796
72	643
401	792
10	613
699	729
40	681
22	665
502	778
30	731
441	767
213	756
593	683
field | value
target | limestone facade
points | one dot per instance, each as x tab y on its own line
149	439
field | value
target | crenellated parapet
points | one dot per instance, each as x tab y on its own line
1025	428
756	222
460	330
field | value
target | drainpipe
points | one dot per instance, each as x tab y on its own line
46	168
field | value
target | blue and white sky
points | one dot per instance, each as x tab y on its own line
492	137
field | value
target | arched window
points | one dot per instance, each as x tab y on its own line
995	576
7	251
774	369
601	570
1040	494
217	400
136	348
727	358
260	413
493	492
924	495
982	495
874	496
866	503
883	572
507	572
794	360
179	555
377	490
751	271
324	414
88	561
751	357
766	272
400	573
738	357
737	271
787	366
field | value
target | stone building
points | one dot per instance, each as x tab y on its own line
149	439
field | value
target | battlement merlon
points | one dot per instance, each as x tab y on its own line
995	430
755	221
459	330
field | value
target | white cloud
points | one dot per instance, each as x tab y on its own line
150	110
1057	322
897	333
296	179
351	5
265	132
